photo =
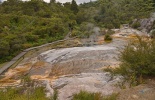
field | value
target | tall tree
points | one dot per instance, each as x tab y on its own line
67	5
74	7
52	1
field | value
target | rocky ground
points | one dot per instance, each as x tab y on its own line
70	70
86	65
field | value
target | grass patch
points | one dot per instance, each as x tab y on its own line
23	94
84	95
55	95
107	38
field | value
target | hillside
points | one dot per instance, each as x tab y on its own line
107	52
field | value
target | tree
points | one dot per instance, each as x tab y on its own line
74	7
52	1
4	48
67	5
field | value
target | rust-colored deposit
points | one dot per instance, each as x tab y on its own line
12	76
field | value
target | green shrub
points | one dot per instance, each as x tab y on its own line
84	95
109	26
110	32
107	37
23	94
76	33
116	23
152	33
135	25
55	95
138	61
111	97
26	78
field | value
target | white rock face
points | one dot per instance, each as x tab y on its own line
86	63
55	55
92	82
52	55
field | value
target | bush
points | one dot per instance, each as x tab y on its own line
107	37
116	23
152	33
109	26
76	33
110	32
135	25
138	61
55	95
84	95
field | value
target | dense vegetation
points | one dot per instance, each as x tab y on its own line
115	12
32	23
138	61
35	22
